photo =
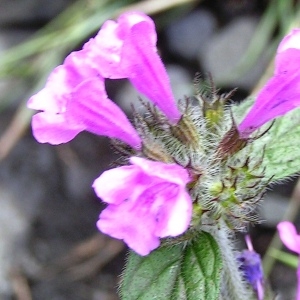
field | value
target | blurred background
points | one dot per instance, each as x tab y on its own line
50	248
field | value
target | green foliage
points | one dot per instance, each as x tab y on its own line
183	271
286	258
282	155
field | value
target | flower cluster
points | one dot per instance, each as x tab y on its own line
74	99
183	171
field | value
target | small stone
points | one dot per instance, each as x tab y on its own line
187	37
13	225
22	188
224	51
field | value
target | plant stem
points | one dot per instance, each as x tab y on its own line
234	286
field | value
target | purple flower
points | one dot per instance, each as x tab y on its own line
250	265
282	92
73	100
291	239
127	49
147	201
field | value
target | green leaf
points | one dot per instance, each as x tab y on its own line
282	155
188	271
281	143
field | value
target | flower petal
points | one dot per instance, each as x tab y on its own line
279	96
50	125
292	40
166	172
127	49
128	223
174	215
52	128
91	108
147	72
282	92
74	100
289	236
115	185
104	51
251	267
146	203
141	221
62	80
52	98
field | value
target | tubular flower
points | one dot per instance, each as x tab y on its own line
291	239
251	268
289	236
127	49
147	201
282	92
123	49
73	100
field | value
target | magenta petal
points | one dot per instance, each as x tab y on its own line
289	236
115	185
52	98
147	72
286	64
148	200
91	108
74	100
52	128
139	222
61	82
127	49
105	51
292	40
170	206
125	223
175	215
77	65
281	94
165	172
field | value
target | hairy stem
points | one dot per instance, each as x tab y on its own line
233	284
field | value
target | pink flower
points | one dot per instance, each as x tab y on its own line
291	239
282	92
127	49
147	201
289	236
73	100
